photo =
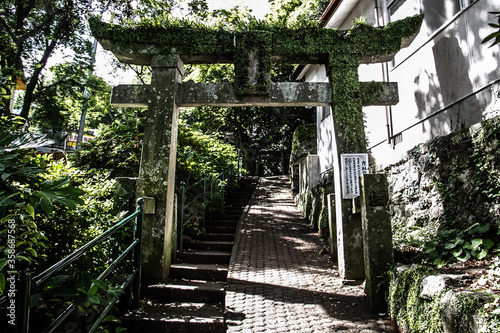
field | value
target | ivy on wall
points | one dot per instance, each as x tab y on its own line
470	191
253	49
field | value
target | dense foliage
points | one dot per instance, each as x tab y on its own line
28	193
63	93
117	149
32	31
200	155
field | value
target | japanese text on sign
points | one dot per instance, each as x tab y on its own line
352	167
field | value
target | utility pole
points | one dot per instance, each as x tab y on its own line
81	127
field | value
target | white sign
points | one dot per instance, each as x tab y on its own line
352	167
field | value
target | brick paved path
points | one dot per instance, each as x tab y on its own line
278	281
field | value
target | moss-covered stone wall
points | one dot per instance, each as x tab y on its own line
445	195
424	300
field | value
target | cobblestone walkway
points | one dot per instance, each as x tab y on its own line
279	282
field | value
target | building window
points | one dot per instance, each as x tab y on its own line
399	9
437	12
325	111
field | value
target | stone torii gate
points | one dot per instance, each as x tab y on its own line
166	50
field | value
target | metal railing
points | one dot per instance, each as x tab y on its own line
200	196
26	284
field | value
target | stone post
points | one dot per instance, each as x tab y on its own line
346	109
158	165
127	191
377	237
332	226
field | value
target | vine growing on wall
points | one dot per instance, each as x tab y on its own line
469	226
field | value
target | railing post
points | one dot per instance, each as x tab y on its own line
136	291
204	198
23	296
180	214
211	187
222	187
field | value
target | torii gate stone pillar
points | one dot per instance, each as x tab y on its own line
158	164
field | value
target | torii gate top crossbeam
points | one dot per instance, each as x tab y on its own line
297	46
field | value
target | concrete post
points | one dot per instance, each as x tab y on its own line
158	165
377	237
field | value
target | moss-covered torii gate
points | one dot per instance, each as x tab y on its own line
166	50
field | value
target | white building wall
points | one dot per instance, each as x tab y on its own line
447	79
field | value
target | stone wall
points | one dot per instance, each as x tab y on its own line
449	183
303	144
424	300
314	203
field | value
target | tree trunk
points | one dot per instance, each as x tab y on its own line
29	96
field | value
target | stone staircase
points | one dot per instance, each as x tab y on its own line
192	299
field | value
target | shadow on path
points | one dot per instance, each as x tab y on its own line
278	280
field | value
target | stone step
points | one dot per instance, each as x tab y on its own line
232	216
186	291
205	257
220	229
222	222
209	245
216	237
154	317
206	272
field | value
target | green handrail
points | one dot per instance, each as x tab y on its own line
206	193
25	284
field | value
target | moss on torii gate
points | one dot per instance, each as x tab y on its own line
253	52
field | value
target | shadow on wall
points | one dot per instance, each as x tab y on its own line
458	70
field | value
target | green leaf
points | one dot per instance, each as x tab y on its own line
20	257
30	210
481	254
112	319
3	281
487	243
35	300
3	263
100	284
468	246
476	243
432	253
46	205
457	252
453	244
480	229
57	280
31	251
94	299
93	290
465	256
490	37
439	262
